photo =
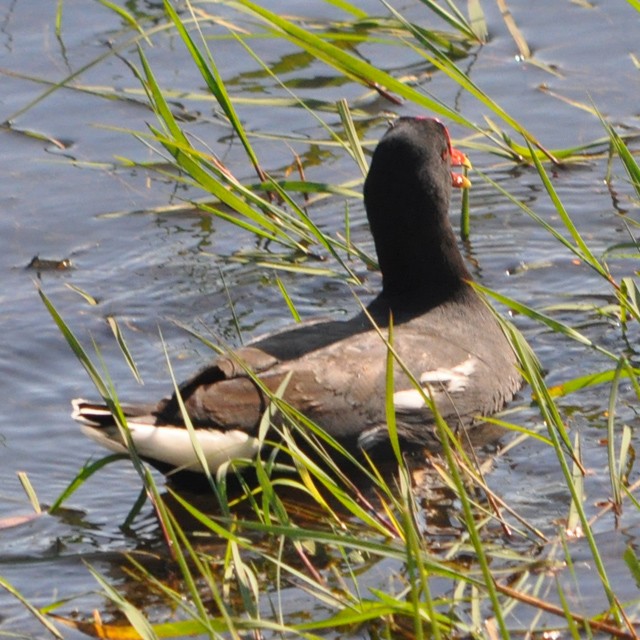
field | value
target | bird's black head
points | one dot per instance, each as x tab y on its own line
407	194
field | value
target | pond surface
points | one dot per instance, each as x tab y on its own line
64	194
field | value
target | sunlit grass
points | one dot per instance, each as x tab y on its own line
270	543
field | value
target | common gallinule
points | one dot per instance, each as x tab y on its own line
442	331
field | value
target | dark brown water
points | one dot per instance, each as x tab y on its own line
58	195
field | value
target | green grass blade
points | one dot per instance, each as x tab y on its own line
562	446
76	347
465	212
197	447
578	495
590	380
30	491
477	20
488	581
348	8
454	18
348	64
115	328
586	254
30	608
287	298
629	300
86	472
614	471
211	76
137	619
127	17
315	231
68	80
58	19
628	161
89	299
555	325
390	409
587	258
352	136
447	66
201	170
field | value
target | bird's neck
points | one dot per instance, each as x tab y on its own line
423	267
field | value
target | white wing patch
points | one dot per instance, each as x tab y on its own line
454	379
449	381
173	445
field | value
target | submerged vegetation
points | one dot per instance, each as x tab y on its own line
313	532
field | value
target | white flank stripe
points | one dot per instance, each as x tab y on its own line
408	400
173	445
453	380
